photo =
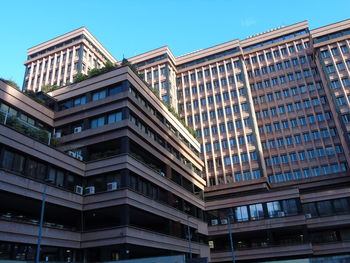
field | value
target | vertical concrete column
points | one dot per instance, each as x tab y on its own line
125	221
125	145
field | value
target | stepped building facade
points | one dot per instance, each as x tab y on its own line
270	163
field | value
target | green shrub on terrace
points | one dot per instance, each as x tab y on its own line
11	83
80	77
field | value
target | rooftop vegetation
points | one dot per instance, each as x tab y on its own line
11	83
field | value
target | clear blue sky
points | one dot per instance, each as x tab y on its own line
131	27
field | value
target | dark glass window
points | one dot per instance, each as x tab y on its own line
290	207
324	208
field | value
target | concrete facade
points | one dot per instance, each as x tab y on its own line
272	117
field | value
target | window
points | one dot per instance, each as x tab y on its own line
253	156
341	100
290	107
79	101
216	145
256	174
284	158
340	66
99	95
274	209
293	157
227	160
114	117
256	212
311	119
98	122
324	53
307	137
233	142
320	152
241	213
281	109
273	111
268	128
230	125
330	68
238	177
272	144
341	205
224	144
316	135
270	97
244	157
280	142
335	51
208	147
346	81
324	208
268	161
222	127
287	64
335	84
302	156
290	207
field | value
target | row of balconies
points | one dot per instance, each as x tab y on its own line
286	251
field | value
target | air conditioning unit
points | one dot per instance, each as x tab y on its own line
224	221
90	190
58	135
77	129
308	215
214	222
112	186
78	189
281	213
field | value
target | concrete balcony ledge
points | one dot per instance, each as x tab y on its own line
141	237
326	221
11	231
261	253
259	225
331	248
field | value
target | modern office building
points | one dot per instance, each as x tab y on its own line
272	117
125	180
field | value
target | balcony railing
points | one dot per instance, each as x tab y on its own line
27	129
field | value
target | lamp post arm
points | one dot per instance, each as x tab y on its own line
231	240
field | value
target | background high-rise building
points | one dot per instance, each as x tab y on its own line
262	107
59	60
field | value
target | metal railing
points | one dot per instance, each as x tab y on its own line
25	128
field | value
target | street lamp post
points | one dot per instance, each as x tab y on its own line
231	240
37	258
189	236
